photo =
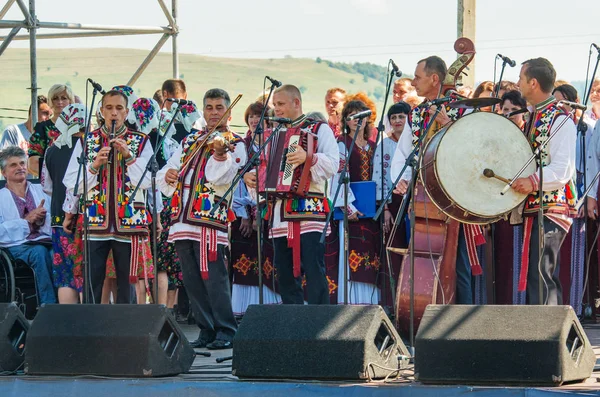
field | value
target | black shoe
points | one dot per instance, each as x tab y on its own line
200	343
219	344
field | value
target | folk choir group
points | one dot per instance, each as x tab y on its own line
207	228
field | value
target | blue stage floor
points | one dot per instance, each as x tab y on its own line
207	379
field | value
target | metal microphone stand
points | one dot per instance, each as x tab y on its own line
152	166
86	222
500	80
582	129
537	155
380	138
259	132
344	180
411	161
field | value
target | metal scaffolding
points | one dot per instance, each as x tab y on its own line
32	24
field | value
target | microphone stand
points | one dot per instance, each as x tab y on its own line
82	172
537	155
380	138
259	132
500	80
343	180
152	166
582	129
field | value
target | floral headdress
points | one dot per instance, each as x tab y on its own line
71	121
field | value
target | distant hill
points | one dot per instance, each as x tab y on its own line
115	66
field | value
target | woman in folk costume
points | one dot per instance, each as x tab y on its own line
363	246
397	117
243	234
66	271
44	134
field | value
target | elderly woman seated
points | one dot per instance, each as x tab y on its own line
25	221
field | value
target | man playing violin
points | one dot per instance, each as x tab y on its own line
196	176
430	74
116	161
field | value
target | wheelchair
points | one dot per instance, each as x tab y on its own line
18	284
17	281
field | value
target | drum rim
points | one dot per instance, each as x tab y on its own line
492	219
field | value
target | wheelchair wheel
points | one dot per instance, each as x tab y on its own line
7	279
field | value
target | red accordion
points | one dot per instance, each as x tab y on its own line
278	177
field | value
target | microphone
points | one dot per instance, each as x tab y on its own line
97	86
395	69
522	110
573	105
276	83
596	47
507	60
280	120
438	101
359	115
179	101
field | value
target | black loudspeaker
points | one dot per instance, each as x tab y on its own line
14	328
506	345
316	342
110	340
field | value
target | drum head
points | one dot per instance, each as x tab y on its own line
473	143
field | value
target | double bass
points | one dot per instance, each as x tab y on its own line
435	236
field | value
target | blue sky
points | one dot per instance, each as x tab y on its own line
349	30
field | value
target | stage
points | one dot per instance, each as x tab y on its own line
208	378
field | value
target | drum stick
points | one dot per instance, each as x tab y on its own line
490	174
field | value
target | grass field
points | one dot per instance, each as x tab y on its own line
115	66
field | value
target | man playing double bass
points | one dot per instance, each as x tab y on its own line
430	74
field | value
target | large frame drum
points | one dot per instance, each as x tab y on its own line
452	164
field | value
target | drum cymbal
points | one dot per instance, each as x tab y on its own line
474	103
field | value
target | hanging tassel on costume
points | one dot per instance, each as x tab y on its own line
231	215
212	245
326	205
294	244
288	205
175	199
470	240
134	259
527	226
198	205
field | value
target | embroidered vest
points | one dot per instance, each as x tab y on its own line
419	121
315	206
203	194
109	200
561	200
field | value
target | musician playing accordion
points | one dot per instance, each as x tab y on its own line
196	177
297	222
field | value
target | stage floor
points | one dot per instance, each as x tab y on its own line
209	378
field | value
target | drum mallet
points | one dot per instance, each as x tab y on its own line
490	174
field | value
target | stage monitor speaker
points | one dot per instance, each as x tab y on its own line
108	340
14	328
316	342
503	345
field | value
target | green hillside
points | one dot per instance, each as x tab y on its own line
115	66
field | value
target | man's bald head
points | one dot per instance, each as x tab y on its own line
291	90
287	101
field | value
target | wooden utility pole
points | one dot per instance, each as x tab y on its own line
466	28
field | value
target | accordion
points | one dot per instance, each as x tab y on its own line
278	177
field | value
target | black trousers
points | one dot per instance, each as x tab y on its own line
313	264
122	257
547	273
210	299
